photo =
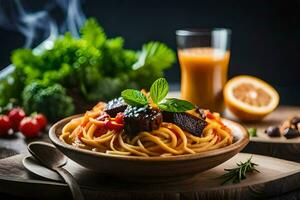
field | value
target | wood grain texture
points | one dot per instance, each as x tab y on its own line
279	147
274	119
277	177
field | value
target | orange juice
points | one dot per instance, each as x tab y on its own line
203	76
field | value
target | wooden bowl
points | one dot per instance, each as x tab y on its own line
153	168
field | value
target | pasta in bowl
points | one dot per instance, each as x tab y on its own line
143	136
99	132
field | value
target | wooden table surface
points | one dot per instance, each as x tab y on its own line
276	178
17	144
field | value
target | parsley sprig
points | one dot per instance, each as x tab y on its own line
236	175
252	132
158	92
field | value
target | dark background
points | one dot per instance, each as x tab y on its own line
265	39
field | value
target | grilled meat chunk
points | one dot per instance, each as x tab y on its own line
141	119
186	121
115	106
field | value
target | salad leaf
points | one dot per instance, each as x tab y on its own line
156	54
159	90
152	60
176	105
90	68
134	97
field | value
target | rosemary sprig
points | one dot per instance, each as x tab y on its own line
236	175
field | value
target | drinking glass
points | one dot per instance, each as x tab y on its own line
204	56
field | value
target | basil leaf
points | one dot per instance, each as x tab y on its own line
159	90
134	97
176	105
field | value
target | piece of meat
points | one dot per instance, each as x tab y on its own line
186	121
141	119
115	106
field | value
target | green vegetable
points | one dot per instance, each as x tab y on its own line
10	87
158	91
93	33
134	97
252	132
152	60
52	101
94	66
236	175
5	109
175	105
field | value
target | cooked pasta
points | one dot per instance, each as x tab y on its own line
88	132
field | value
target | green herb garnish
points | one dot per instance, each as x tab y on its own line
252	132
134	97
158	92
175	105
236	175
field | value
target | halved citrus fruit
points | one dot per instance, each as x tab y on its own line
250	98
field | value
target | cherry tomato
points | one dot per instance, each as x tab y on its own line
5	124
112	125
15	116
209	115
41	120
29	127
119	118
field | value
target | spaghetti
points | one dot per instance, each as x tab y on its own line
88	132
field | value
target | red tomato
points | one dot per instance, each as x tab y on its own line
29	127
209	115
15	116
111	125
41	120
119	118
5	124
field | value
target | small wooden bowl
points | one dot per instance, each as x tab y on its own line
151	168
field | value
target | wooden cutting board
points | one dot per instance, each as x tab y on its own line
276	178
279	147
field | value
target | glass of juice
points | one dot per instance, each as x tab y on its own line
204	56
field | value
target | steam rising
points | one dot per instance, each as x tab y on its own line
40	26
75	17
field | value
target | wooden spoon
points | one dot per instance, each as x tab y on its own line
53	159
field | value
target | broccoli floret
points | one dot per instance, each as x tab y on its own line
52	100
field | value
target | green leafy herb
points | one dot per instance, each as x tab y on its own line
159	90
89	68
93	33
175	105
152	60
252	132
236	175
134	97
